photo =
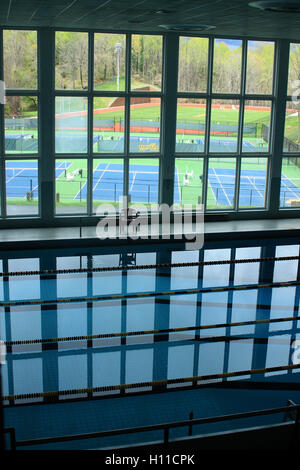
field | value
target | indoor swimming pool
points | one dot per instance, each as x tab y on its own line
99	339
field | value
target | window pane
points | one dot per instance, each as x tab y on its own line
253	182
109	61
20	59
109	125
143	181
224	126
71	60
294	68
190	126
22	288
227	66
22	191
215	276
107	182
193	63
144	125
146	62
221	183
260	61
291	128
71	186
70	124
188	181
290	182
21	124
256	128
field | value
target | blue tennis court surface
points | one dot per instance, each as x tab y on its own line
22	177
143	183
252	187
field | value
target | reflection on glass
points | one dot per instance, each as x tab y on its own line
21	124
246	273
224	126
22	189
66	376
188	181
144	125
73	285
260	62
70	124
221	183
24	287
190	125
227	66
108	124
214	275
71	60
146	62
193	62
240	357
71	186
20	59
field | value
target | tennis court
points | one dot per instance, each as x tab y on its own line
143	183
229	145
22	178
252	187
107	184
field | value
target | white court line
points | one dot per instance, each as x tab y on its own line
146	172
14	176
213	193
254	185
101	176
96	184
58	166
282	180
222	186
132	183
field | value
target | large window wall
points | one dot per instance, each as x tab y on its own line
224	108
96	127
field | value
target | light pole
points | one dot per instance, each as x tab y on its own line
118	46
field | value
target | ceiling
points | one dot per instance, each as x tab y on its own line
231	17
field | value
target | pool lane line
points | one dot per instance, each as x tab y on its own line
147	294
108	388
148	332
146	266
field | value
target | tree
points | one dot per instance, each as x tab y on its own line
294	80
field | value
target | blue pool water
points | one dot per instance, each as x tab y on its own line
34	307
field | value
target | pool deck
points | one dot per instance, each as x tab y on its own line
86	236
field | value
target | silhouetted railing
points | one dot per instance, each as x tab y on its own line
292	411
